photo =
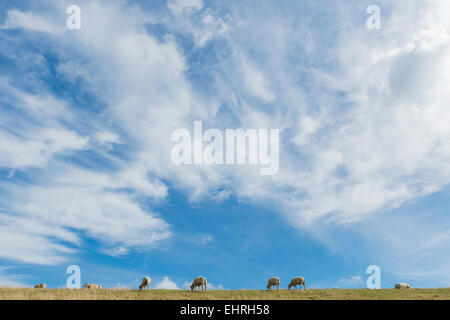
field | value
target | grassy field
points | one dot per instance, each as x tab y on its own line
309	294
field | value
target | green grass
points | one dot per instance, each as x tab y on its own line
309	294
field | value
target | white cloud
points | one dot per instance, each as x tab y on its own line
214	287
102	214
166	283
37	137
35	150
116	252
107	138
363	145
178	7
30	240
353	281
385	149
257	83
206	238
211	27
64	198
58	212
28	20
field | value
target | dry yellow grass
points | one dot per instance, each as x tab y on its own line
309	294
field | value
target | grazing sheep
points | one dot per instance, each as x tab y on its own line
92	286
274	281
297	281
199	282
145	283
40	286
402	286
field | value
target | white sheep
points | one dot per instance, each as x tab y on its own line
199	282
297	281
274	281
402	286
145	283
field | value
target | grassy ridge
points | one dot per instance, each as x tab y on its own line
309	294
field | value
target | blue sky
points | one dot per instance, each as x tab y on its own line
86	118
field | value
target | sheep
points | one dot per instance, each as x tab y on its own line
199	282
297	281
40	286
402	286
92	286
145	283
274	281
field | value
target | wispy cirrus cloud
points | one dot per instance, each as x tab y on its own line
28	20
